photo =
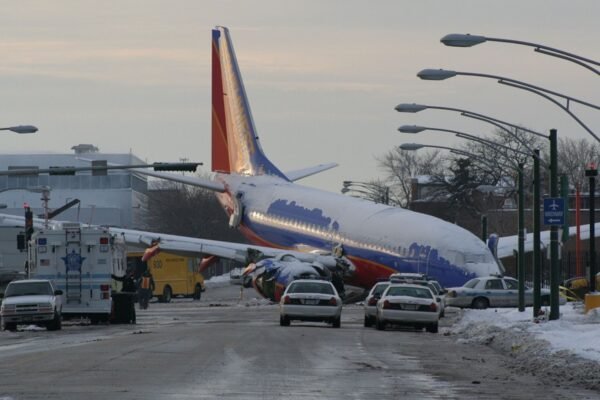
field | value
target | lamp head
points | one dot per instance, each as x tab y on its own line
435	74
411	128
23	129
410	108
411	146
461	40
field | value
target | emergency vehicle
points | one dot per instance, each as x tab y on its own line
79	261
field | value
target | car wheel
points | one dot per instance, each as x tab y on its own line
284	320
379	324
368	322
337	322
433	328
480	303
9	326
167	295
197	292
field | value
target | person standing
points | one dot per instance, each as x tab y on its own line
145	288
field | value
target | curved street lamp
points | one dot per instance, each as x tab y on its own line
417	129
21	129
414	108
442	74
462	40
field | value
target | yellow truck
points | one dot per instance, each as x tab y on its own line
173	275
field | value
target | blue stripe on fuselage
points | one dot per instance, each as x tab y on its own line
421	258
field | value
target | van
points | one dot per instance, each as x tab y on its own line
174	275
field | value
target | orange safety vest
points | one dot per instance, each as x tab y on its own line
145	282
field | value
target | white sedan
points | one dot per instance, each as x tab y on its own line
370	306
405	304
310	300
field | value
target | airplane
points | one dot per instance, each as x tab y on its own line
300	231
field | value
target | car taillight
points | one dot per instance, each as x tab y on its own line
372	301
433	307
287	300
386	304
104	288
333	301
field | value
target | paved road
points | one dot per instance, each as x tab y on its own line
224	348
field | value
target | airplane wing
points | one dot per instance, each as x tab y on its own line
507	245
303	173
185	245
189	246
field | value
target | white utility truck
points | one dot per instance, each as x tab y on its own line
80	260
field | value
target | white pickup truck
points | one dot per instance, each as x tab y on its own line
31	301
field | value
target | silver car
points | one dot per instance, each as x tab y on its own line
405	304
492	291
310	300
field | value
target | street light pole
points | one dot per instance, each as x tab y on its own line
461	40
554	283
592	172
441	74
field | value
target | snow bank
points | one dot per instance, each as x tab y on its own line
565	351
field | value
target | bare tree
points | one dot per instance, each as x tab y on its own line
574	155
401	166
188	211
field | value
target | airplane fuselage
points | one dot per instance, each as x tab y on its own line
378	239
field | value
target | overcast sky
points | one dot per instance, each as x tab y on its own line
323	77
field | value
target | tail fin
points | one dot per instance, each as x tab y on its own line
235	145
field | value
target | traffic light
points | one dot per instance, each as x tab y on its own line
189	167
70	170
28	223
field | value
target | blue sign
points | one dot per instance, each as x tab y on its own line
554	211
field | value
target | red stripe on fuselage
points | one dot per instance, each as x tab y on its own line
367	272
220	150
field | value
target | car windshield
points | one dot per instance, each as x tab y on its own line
28	289
471	284
422	293
377	290
437	285
311	287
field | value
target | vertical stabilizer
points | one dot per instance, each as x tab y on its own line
235	144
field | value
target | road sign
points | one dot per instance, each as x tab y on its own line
554	211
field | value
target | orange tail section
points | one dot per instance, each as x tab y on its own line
235	145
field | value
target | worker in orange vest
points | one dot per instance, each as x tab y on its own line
145	289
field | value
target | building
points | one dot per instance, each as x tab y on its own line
116	199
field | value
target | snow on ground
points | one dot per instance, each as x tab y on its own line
565	351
